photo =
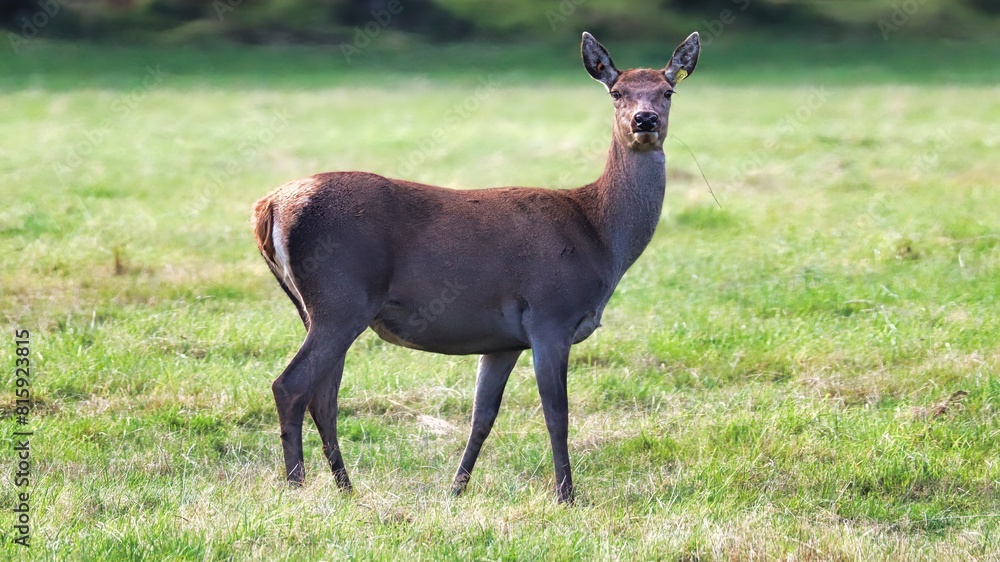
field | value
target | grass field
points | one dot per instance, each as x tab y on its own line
772	380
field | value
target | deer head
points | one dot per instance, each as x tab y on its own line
641	95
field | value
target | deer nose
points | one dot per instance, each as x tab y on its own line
646	120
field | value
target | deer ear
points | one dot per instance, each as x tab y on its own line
597	61
684	59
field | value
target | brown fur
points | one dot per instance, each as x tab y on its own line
284	205
490	272
262	223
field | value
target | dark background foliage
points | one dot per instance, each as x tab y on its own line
337	21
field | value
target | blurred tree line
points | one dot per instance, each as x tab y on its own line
339	21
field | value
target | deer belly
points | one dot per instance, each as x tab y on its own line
439	330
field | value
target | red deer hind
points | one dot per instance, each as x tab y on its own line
522	268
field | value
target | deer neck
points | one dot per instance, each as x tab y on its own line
629	197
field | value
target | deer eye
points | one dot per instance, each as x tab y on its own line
616	95
668	94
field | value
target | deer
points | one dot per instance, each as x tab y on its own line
509	269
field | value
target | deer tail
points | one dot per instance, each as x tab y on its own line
262	221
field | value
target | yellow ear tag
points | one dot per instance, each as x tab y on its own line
681	74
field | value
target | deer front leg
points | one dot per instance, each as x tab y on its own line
551	363
494	370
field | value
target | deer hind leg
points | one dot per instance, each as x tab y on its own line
318	365
494	370
323	409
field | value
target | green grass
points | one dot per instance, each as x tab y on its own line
764	386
